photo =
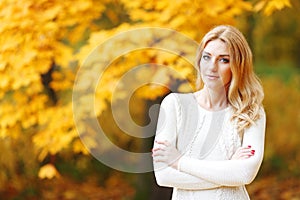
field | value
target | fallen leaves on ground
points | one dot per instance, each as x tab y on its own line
274	188
115	188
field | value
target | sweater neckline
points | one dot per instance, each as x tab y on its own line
210	111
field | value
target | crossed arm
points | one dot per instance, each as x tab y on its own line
175	170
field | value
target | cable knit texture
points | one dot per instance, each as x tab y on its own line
207	140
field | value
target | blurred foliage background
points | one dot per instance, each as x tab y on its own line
42	45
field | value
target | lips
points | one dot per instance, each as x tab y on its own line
212	76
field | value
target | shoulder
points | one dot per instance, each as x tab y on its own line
178	98
261	116
260	123
262	112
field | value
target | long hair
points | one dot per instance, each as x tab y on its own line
245	93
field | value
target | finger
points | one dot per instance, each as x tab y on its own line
160	141
159	159
245	150
247	155
165	142
246	147
159	152
243	153
248	151
242	157
159	148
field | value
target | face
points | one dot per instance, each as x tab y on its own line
215	65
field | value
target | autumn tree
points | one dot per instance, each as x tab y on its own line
43	44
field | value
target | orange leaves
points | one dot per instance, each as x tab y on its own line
56	130
32	33
48	171
116	187
282	188
7	119
34	39
42	41
62	81
78	147
51	12
270	6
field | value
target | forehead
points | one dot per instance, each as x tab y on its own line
216	47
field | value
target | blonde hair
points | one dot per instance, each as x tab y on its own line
245	93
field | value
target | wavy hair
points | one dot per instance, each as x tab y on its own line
245	93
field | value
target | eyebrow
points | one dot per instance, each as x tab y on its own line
222	55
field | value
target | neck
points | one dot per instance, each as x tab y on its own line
215	99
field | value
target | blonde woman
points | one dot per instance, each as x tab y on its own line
210	144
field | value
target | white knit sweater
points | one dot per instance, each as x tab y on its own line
207	141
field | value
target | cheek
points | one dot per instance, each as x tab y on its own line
226	74
201	68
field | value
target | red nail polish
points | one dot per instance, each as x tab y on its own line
249	146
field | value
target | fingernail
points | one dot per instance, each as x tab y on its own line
252	151
249	146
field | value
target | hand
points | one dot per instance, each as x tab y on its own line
243	153
167	153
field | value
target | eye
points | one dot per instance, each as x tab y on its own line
205	57
224	60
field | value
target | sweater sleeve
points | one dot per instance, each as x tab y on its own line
167	130
231	172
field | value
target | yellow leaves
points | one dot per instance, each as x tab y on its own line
33	39
81	5
186	87
32	34
24	78
62	80
39	35
178	21
48	171
4	81
158	79
269	6
78	147
7	119
162	76
10	43
161	5
152	91
57	130
259	6
215	7
274	5
13	113
52	12
77	34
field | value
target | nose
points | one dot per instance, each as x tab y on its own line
213	66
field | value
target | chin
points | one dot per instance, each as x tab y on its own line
215	86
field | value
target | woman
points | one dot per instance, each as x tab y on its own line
209	144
